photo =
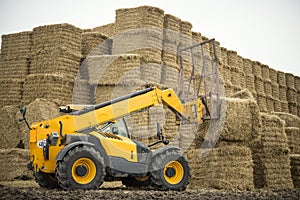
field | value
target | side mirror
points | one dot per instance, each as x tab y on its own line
159	131
23	111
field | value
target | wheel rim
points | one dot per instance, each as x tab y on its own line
173	172
84	170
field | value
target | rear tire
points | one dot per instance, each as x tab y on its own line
46	180
170	170
137	182
81	168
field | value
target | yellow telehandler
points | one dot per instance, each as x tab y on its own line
90	144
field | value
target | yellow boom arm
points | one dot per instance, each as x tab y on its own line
95	115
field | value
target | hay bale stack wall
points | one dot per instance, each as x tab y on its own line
63	64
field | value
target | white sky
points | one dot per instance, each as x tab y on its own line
264	30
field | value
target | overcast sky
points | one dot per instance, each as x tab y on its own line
264	30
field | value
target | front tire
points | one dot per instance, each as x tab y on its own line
46	180
81	168
170	170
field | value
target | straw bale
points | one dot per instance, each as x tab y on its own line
256	68
16	45
243	94
227	167
275	90
268	87
104	93
10	135
54	87
95	43
82	92
57	35
265	71
229	91
172	22
290	80
13	164
293	108
291	95
14	69
151	73
232	58
277	105
262	102
187	133
293	136
107	29
281	78
37	110
112	69
227	128
284	106
224	57
282	93
297	83
273	76
170	60
235	76
270	104
259	85
250	82
242	79
206	46
11	91
139	17
169	77
144	41
227	73
271	156
295	169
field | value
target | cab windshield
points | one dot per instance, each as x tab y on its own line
118	128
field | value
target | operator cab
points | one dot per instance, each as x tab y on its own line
117	127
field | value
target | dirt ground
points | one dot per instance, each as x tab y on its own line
30	190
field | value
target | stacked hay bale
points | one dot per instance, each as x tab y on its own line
235	70
38	110
107	29
13	165
271	156
249	76
295	169
265	70
228	167
14	66
56	56
10	135
282	91
171	38
139	31
291	93
95	43
275	89
186	40
292	130
259	86
226	144
297	86
114	72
